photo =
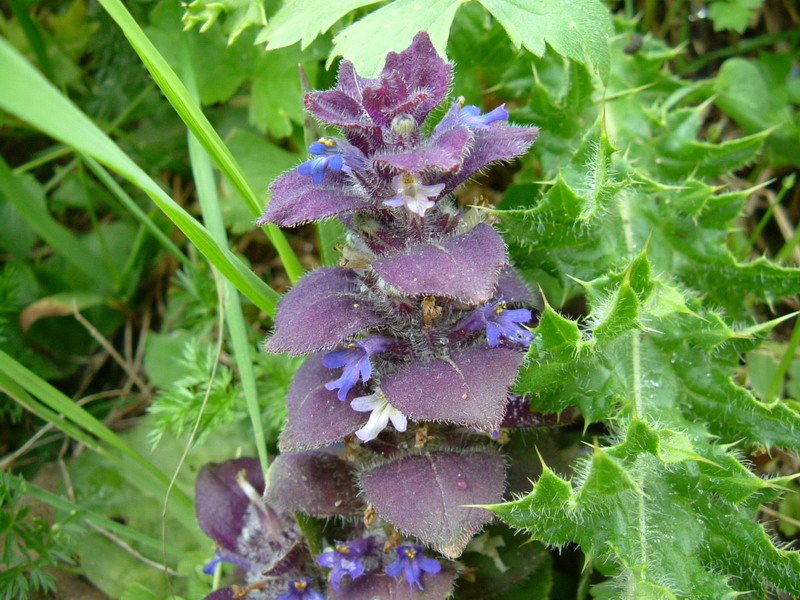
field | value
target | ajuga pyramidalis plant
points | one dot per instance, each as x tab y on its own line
414	341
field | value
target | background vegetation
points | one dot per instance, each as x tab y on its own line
657	213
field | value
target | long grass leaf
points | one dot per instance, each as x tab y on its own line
190	112
60	503
26	94
133	473
58	402
212	216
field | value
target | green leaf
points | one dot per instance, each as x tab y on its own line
578	30
367	42
559	336
19	382
733	14
615	314
660	548
303	20
276	101
262	162
28	198
238	15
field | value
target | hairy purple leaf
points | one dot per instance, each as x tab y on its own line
424	495
463	266
313	482
437	586
219	501
444	153
494	143
470	387
321	310
511	288
296	199
315	417
413	82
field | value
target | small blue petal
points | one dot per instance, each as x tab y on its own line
328	156
500	323
317	148
345	560
212	565
411	562
471	116
356	363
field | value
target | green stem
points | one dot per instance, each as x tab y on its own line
776	385
741	47
212	216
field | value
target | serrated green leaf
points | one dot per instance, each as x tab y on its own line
560	337
578	30
238	15
732	14
303	20
367	42
616	314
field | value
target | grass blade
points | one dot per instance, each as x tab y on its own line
26	94
212	216
58	402
60	503
128	202
134	473
189	111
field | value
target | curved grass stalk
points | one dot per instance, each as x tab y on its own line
27	95
212	216
191	114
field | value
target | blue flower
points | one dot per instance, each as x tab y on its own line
412	562
300	589
500	322
355	359
328	157
345	559
471	116
222	555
